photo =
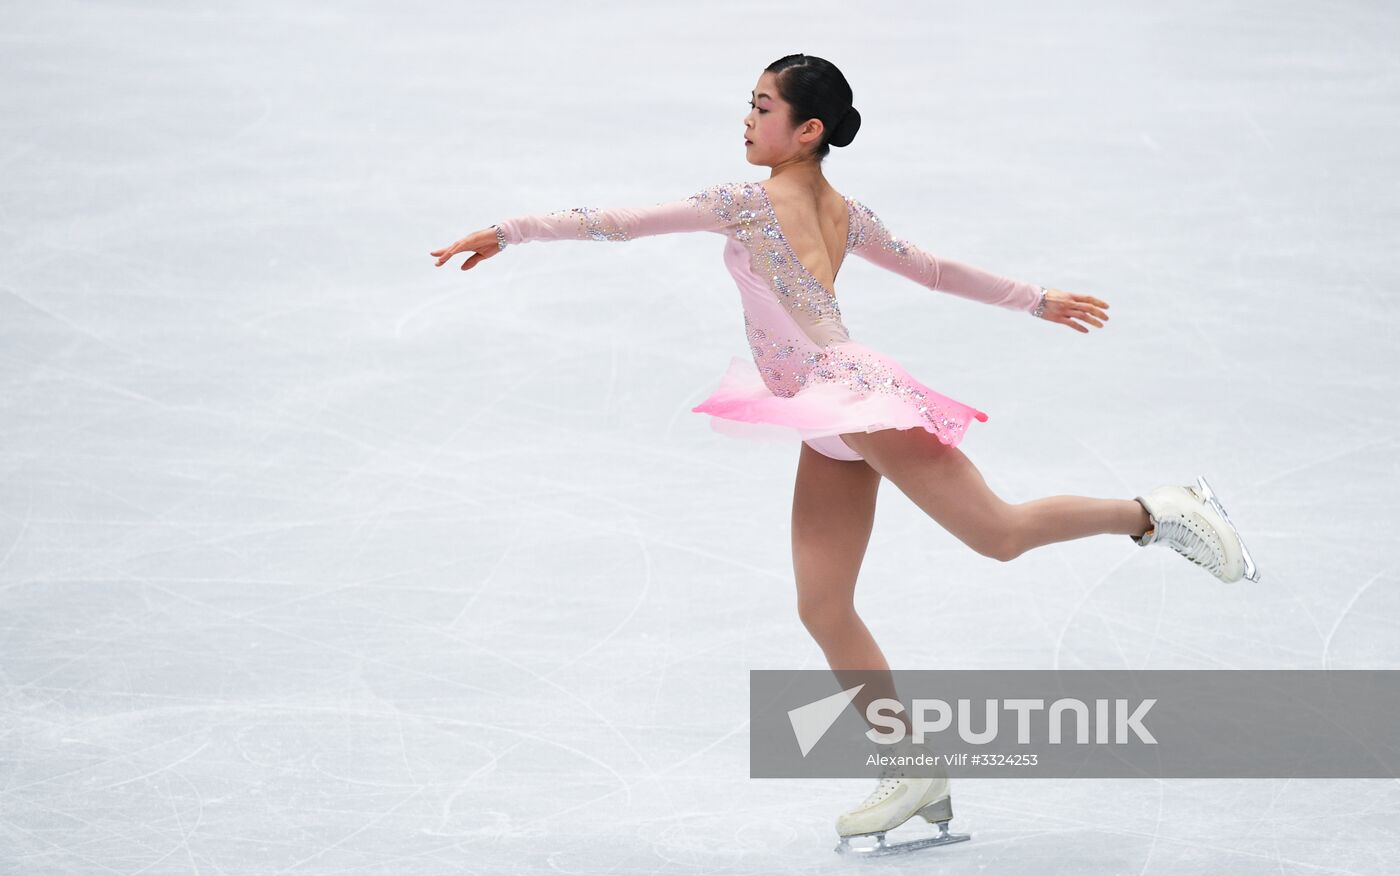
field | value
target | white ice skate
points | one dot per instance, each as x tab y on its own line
897	798
1192	522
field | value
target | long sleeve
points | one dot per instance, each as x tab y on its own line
710	209
874	243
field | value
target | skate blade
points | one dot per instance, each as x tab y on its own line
1251	571
882	848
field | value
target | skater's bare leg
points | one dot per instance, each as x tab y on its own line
1063	518
947	486
833	512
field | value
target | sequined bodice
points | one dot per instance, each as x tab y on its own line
790	317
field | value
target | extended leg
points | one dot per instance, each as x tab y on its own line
1063	518
948	487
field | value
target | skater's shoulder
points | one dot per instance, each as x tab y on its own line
731	200
729	188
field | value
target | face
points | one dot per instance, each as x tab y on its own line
769	135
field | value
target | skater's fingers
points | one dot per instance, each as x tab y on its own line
469	243
1085	304
1088	314
1082	311
446	253
472	261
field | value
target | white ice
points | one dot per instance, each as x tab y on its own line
315	558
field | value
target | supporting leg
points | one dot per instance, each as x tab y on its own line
833	513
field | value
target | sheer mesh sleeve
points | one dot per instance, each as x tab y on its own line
874	243
710	209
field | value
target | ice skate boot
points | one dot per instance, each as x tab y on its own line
897	798
1192	522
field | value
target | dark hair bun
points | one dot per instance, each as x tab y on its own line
815	89
846	129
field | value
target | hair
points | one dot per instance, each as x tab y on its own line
816	89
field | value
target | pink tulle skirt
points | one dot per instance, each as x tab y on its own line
743	406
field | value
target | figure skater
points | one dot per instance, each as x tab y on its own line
860	415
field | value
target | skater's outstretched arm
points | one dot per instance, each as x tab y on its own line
875	243
710	209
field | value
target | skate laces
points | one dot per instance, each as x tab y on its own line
890	776
1181	537
887	786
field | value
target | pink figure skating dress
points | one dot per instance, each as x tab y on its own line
807	378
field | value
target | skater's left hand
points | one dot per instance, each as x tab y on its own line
483	243
1065	307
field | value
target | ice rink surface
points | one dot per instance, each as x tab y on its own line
317	559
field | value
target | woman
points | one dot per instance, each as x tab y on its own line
861	416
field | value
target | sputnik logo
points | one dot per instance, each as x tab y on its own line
810	722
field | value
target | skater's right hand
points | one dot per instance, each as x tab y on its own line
482	243
1065	307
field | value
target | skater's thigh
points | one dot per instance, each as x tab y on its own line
939	478
891	451
833	512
